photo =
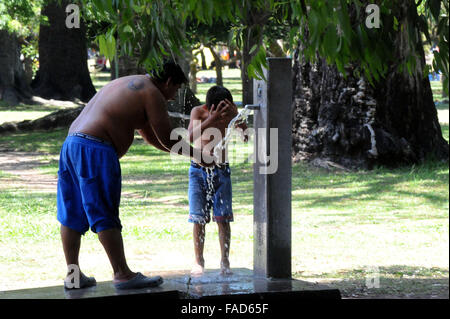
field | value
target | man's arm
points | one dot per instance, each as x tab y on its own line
159	125
149	136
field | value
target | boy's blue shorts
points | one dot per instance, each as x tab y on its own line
89	185
220	199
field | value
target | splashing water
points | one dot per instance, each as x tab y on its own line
210	187
243	114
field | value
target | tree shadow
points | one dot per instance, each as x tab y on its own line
341	191
392	282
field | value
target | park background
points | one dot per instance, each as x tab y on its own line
348	225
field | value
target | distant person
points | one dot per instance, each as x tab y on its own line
89	177
216	193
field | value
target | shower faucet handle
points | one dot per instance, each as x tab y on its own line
253	106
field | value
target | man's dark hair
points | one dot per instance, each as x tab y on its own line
216	94
170	69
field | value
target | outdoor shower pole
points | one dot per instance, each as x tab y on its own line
272	189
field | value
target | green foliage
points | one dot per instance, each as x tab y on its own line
438	12
334	29
20	16
255	69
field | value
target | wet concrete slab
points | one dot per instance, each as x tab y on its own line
181	285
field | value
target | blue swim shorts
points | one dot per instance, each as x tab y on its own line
208	191
89	185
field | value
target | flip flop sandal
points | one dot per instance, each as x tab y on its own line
140	281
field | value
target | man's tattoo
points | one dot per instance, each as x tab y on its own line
135	85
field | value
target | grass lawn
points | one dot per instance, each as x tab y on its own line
231	80
436	87
347	227
24	112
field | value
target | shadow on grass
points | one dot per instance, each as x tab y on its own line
396	281
152	171
342	189
442	106
49	142
26	203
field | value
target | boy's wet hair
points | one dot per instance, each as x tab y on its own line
216	94
170	69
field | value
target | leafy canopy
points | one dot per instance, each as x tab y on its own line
335	29
20	16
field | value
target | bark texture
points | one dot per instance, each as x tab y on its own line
348	122
63	71
60	118
14	87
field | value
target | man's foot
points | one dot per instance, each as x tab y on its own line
138	282
197	270
225	269
85	282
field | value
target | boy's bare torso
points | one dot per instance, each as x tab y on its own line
210	140
117	110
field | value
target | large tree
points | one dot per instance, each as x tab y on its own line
13	85
354	123
63	71
18	19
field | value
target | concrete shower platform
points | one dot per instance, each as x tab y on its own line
181	285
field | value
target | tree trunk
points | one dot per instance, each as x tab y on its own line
202	55
13	83
255	21
247	83
355	125
217	65
57	119
63	71
128	65
193	75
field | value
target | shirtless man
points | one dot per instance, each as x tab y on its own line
217	113
89	177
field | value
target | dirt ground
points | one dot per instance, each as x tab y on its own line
22	167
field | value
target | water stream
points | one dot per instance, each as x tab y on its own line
243	114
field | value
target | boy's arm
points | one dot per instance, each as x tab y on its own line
157	129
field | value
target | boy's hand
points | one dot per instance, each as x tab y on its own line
243	126
223	113
217	113
232	107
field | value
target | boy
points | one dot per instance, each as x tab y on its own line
211	187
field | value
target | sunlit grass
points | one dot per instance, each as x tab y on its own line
436	87
24	112
231	80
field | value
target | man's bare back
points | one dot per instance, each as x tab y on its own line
124	105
